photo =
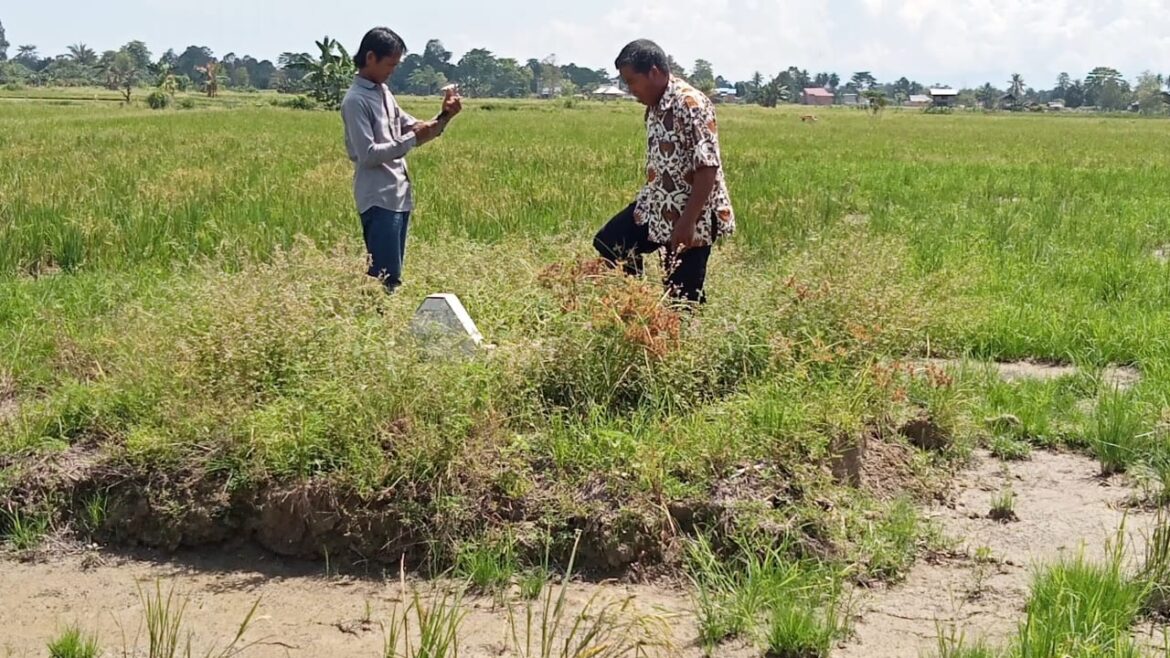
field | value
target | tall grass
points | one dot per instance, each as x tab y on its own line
166	634
1117	432
549	628
1082	609
154	297
435	623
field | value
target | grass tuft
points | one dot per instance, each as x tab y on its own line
1009	449
23	531
794	606
600	629
1003	506
72	643
424	629
1117	434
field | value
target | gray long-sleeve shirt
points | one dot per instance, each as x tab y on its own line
377	138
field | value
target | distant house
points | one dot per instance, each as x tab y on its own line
608	93
918	100
816	96
1056	105
944	97
850	99
726	94
551	92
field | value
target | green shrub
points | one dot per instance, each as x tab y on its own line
158	100
295	103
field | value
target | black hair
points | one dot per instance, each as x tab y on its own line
643	55
383	42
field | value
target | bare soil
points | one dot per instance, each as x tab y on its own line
1061	503
1122	377
1062	506
302	611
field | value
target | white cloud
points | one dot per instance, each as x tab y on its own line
954	41
737	35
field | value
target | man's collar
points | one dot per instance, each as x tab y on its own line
365	82
668	96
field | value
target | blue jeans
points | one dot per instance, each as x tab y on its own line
385	234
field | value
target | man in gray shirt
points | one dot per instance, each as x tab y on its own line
378	135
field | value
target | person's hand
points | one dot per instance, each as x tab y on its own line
452	103
683	236
425	131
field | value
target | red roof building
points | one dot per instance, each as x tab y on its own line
816	96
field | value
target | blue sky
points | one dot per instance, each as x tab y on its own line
957	42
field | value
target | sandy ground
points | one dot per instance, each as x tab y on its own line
1121	377
1063	507
302	611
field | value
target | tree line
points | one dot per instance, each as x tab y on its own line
480	73
197	68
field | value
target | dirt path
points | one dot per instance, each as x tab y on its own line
1062	507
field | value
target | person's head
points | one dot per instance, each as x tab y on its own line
379	54
645	69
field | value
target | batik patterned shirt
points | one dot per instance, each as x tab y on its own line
682	137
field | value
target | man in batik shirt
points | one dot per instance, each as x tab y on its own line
684	206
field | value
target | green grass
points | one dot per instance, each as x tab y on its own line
889	545
72	643
181	303
792	608
1080	609
1118	433
95	513
796	632
549	627
435	623
1003	506
166	633
1155	571
23	531
487	566
1009	449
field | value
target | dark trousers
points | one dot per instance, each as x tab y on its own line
623	242
385	235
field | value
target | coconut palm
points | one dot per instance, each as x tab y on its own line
83	54
1016	86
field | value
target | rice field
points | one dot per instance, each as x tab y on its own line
182	312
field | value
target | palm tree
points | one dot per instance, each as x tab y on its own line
82	54
1016	86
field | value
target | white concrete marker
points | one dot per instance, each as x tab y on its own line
442	318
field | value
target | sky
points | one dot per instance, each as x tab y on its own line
954	42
